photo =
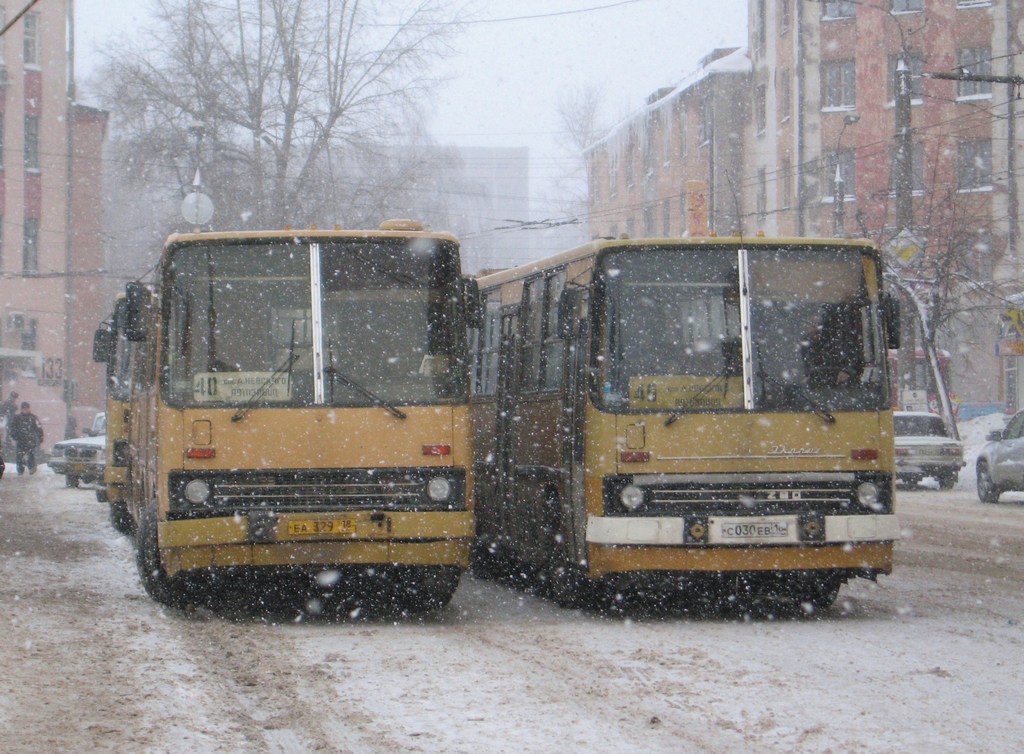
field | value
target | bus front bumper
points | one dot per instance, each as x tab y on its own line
297	539
856	543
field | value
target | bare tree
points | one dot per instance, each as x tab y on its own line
579	112
272	97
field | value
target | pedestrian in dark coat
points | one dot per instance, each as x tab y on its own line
27	432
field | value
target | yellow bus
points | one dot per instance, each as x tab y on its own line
705	416
111	347
300	402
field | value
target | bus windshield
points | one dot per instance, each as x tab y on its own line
671	331
360	322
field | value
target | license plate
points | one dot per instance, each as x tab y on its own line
752	530
317	526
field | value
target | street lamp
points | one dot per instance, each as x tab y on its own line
839	185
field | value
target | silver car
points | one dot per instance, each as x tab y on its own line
1000	465
924	447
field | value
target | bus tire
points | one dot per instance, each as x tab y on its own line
425	588
565	580
163	588
120	517
988	492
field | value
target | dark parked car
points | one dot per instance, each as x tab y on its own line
1000	465
925	447
80	460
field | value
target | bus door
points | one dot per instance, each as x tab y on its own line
508	409
571	429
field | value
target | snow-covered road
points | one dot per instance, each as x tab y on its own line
930	659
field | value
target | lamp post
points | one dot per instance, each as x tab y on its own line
839	185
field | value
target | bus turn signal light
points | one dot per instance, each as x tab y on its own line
201	453
634	456
437	450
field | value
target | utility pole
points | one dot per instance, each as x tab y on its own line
904	167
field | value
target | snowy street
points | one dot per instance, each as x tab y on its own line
927	660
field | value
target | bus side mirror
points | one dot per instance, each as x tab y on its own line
891	315
103	345
473	303
136	315
568	305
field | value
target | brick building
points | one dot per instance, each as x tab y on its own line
52	294
818	101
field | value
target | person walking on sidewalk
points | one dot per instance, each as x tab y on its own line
27	432
8	410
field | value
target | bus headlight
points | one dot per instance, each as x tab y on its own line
197	492
867	495
439	489
632	497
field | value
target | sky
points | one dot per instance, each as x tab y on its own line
514	57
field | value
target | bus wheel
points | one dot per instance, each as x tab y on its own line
421	589
70	480
158	585
565	580
987	490
120	518
819	595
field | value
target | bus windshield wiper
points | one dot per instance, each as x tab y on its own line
286	366
725	374
818	411
333	373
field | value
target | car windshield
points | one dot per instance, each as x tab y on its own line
911	425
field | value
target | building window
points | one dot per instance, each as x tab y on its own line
916	65
761	32
975	166
838	81
785	14
613	175
653	126
1	242
30	249
32	39
32	142
907	6
761	109
979	263
30	335
785	94
839	9
681	130
762	194
666	137
785	175
704	124
666	218
648	217
974	60
844	160
684	217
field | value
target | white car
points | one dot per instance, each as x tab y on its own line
925	447
1000	464
82	459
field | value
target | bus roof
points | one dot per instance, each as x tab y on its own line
592	248
297	234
